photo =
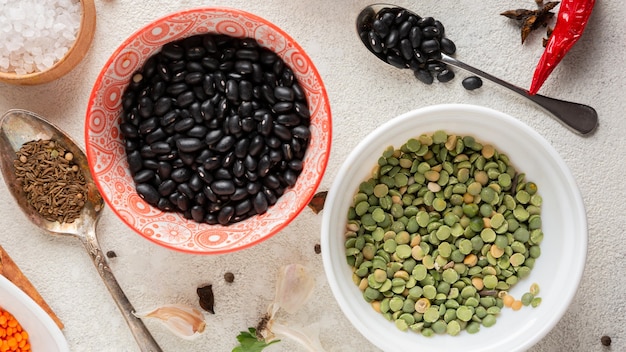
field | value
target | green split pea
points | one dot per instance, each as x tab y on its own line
443	226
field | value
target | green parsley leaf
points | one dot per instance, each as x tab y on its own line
248	342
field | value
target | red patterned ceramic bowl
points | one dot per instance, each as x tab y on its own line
107	157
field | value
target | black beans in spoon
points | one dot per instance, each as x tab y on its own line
406	40
215	128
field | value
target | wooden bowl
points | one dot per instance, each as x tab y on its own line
74	55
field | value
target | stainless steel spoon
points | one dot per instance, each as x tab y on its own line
18	127
581	119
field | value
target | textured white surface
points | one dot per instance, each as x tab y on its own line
363	93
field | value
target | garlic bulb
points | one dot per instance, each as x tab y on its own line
184	321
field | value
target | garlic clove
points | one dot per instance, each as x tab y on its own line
184	321
294	287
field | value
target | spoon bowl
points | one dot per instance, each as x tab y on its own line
20	126
579	118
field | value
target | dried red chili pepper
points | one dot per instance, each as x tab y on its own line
570	24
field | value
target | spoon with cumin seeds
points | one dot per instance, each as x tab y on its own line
25	135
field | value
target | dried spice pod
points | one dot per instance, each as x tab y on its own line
206	298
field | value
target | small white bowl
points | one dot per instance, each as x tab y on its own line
563	251
44	334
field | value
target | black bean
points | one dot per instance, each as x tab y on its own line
184	124
145	106
396	60
164	170
440	27
426	21
243	67
301	132
232	90
175	89
380	27
164	72
424	76
148	125
374	41
182	202
270	195
260	203
226	214
448	46
472	82
225	143
271	181
243	207
167	187
266	124
272	142
250	163
189	145
184	189
264	165
220	81
197	131
302	109
172	51
402	16
212	163
406	49
193	78
223	187
148	193
445	76
213	136
195	183
282	132
404	29
287	151
165	205
162	106
234	124
295	165
194	66
392	39
429	46
247	54
287	77
431	32
197	213
143	176
288	119
160	147
282	107
185	99
415	36
179	76
181	175
245	90
284	93
290	177
129	130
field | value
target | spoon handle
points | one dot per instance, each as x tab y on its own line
582	119
142	335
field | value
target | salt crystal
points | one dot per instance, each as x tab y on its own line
36	33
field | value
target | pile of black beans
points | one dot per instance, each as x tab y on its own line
406	40
215	128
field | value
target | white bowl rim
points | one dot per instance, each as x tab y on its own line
31	316
338	189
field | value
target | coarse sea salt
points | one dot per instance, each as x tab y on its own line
36	34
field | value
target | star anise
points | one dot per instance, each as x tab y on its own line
531	20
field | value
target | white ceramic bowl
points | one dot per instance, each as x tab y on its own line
43	333
563	251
